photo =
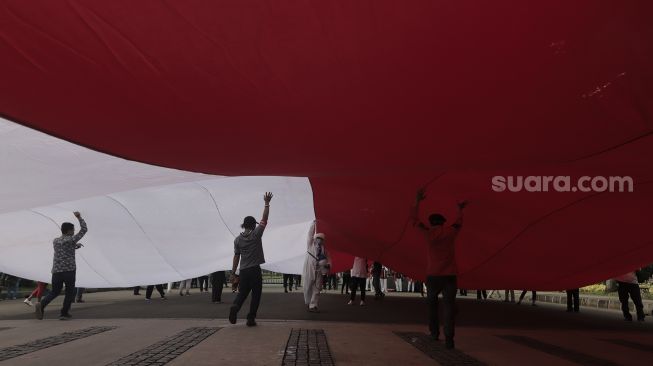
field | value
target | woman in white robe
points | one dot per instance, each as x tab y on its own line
316	265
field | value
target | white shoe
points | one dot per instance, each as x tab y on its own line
350	302
362	303
28	302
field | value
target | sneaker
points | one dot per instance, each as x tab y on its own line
38	311
65	317
232	315
148	299
350	302
28	302
164	298
251	323
362	303
313	310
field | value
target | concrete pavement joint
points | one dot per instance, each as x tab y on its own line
167	350
436	350
630	344
560	352
43	343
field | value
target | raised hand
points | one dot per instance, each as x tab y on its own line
267	197
421	195
77	214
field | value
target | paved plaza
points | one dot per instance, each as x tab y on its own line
118	328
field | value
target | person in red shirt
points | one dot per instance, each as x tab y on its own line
441	270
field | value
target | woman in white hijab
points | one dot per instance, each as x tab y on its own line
316	265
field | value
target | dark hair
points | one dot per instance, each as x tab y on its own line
249	223
437	219
66	227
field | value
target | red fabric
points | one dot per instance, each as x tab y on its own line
371	100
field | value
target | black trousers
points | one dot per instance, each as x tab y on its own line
218	280
204	283
446	285
251	280
58	281
298	281
334	281
137	290
481	293
346	280
630	290
573	300
463	292
286	279
523	294
357	282
150	289
376	282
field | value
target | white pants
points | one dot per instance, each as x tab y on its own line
185	284
384	284
410	286
398	285
317	287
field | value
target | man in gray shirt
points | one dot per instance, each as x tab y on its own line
248	250
64	267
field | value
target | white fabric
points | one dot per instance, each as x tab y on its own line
147	224
360	268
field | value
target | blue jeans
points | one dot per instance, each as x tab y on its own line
12	292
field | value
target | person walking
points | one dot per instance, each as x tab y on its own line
509	293
12	291
79	291
346	280
573	300
38	293
203	282
441	268
64	267
218	280
248	251
316	267
137	290
150	289
628	286
185	284
377	271
533	297
287	279
358	276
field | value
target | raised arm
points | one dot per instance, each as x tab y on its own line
266	211
83	229
415	210
311	234
459	219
